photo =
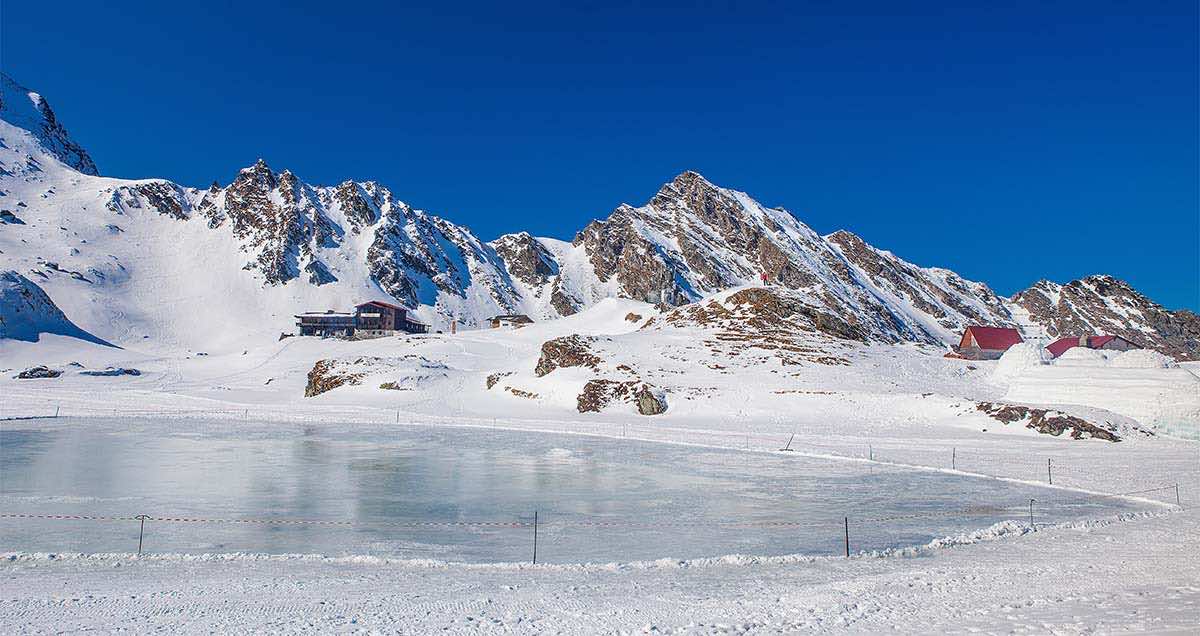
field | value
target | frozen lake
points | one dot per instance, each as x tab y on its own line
597	499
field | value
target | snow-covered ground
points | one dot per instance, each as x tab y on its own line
897	404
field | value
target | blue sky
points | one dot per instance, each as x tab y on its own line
1009	143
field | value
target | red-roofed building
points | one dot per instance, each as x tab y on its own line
986	343
1111	343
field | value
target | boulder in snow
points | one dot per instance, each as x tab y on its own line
111	372
33	373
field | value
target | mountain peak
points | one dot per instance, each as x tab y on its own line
26	109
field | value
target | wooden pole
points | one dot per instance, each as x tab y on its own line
1031	513
847	521
1049	477
535	525
141	531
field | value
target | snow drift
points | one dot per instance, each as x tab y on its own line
26	312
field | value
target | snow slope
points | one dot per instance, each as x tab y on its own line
26	312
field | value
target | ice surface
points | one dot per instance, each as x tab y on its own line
598	500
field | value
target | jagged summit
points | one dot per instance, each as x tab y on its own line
26	109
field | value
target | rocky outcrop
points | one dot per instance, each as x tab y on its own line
566	351
324	377
772	319
598	394
1047	421
1105	305
38	372
160	197
649	401
402	373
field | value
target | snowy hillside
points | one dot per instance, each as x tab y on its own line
26	312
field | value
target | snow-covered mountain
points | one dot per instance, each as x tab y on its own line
1105	305
154	262
694	239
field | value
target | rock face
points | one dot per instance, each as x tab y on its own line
694	238
1108	306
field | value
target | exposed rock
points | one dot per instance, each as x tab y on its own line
600	393
771	319
1047	421
407	372
318	274
954	302
162	197
632	317
1104	305
110	372
650	402
566	351
37	372
10	218
522	394
322	378
495	377
526	259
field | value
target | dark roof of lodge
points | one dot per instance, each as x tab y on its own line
381	304
994	338
330	313
1060	346
511	317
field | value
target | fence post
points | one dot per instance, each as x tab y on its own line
57	409
535	525
1031	512
870	452
1177	503
141	530
1049	477
847	522
953	458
